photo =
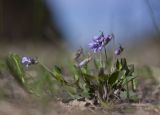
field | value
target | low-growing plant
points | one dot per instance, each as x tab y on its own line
95	76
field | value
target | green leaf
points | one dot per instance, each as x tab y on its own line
15	67
101	72
76	77
124	64
89	77
76	73
58	69
57	74
131	70
113	77
85	89
85	69
128	79
102	76
95	63
133	82
118	65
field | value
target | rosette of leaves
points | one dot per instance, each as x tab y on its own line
105	86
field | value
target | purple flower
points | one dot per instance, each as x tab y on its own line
28	61
107	39
95	46
119	50
98	38
99	42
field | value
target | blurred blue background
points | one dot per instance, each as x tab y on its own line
129	20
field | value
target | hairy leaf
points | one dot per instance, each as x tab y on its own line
15	67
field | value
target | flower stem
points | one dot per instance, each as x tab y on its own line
105	51
114	58
127	85
101	61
